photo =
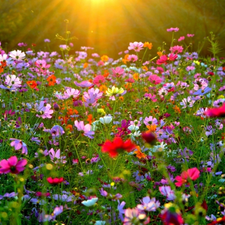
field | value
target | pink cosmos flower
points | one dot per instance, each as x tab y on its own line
162	60
154	79
192	174
86	128
181	38
99	80
216	112
136	46
118	71
190	35
132	58
176	49
173	29
12	165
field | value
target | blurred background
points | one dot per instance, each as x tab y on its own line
109	25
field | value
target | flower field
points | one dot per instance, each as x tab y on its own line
87	139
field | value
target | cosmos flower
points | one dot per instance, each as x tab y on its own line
55	180
12	165
85	128
13	81
136	46
192	174
17	55
90	202
18	144
216	112
113	148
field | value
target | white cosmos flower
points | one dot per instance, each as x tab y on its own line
17	55
3	57
133	128
13	81
90	202
105	119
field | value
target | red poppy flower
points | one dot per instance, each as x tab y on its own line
117	145
216	112
55	180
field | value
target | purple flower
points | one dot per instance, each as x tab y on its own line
120	209
166	191
148	204
103	192
86	128
57	131
18	144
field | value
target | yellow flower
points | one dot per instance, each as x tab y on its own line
114	90
148	45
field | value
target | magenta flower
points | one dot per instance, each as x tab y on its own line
190	35
181	38
216	112
18	144
192	174
173	29
154	79
176	49
12	165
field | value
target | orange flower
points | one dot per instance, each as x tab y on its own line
145	68
104	58
146	89
148	45
125	60
85	65
103	88
139	153
121	98
71	111
3	63
177	109
1	69
32	84
128	85
70	127
106	73
159	54
136	76
51	80
90	119
151	128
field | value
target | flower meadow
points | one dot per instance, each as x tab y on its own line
86	139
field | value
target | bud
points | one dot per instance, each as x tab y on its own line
149	137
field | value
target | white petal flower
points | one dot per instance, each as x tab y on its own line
105	119
90	202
